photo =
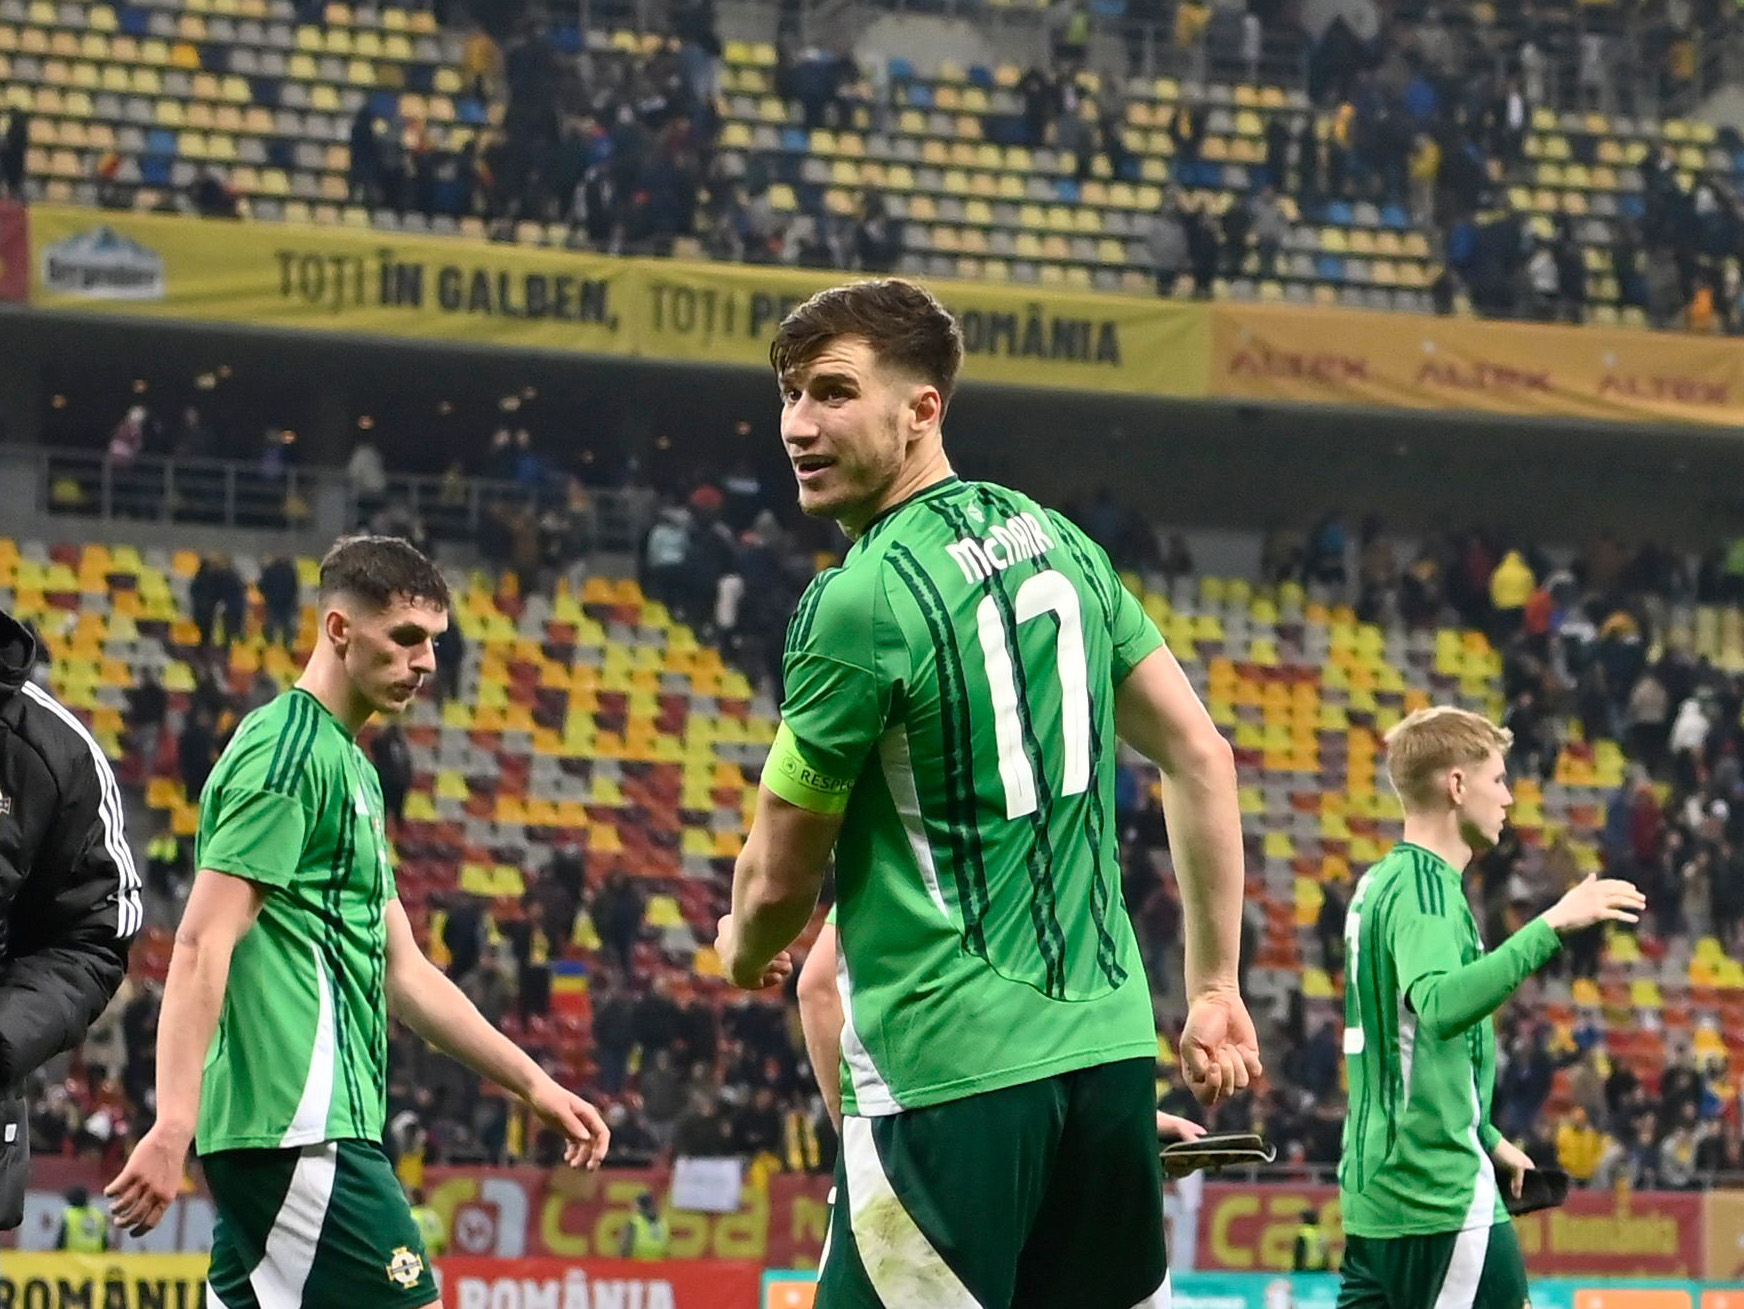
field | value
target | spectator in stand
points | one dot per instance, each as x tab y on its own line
1571	275
1187	131
617	917
877	237
366	476
147	707
701	1132
1662	285
633	1145
193	437
1271	228
217	594
197	752
665	1092
613	1032
1511	586
365	177
392	755
1688	741
1277	143
1647	717
281	596
14	155
1721	1153
1202	251
128	439
1237	228
755	1127
1040	106
1168	245
1579	1145
463	935
211	197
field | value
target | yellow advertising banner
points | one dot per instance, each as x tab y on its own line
726	313
470	292
340	279
1348	357
102	1281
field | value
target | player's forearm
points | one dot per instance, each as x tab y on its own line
820	1019
1204	821
768	918
193	1000
1449	1003
776	880
425	1000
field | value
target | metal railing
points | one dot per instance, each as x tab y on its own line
246	495
214	492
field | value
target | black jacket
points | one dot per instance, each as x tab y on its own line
69	894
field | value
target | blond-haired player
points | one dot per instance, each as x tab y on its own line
1419	1184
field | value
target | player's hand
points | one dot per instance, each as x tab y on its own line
1171	1128
1513	1164
773	973
1220	1051
150	1182
586	1132
1592	900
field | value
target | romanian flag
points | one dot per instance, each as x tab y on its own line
568	987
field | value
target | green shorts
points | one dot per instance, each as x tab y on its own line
1479	1269
1034	1197
314	1227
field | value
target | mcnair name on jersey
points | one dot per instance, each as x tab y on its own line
1005	544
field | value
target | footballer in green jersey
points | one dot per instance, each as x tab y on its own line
953	695
291	955
1422	1171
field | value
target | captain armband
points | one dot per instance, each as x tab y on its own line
789	776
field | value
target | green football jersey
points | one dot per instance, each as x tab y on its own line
1417	1135
959	670
300	1055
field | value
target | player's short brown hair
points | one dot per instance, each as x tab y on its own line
904	324
379	569
1425	744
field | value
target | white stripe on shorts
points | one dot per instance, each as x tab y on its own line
1459	1289
290	1247
1161	1298
904	1269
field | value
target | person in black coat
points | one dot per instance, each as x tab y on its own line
69	892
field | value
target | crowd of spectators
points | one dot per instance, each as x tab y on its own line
1423	111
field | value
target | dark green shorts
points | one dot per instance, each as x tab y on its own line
1035	1197
1479	1269
316	1227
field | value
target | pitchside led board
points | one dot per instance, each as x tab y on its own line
464	291
1320	1291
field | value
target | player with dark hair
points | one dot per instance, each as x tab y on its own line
954	691
291	954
